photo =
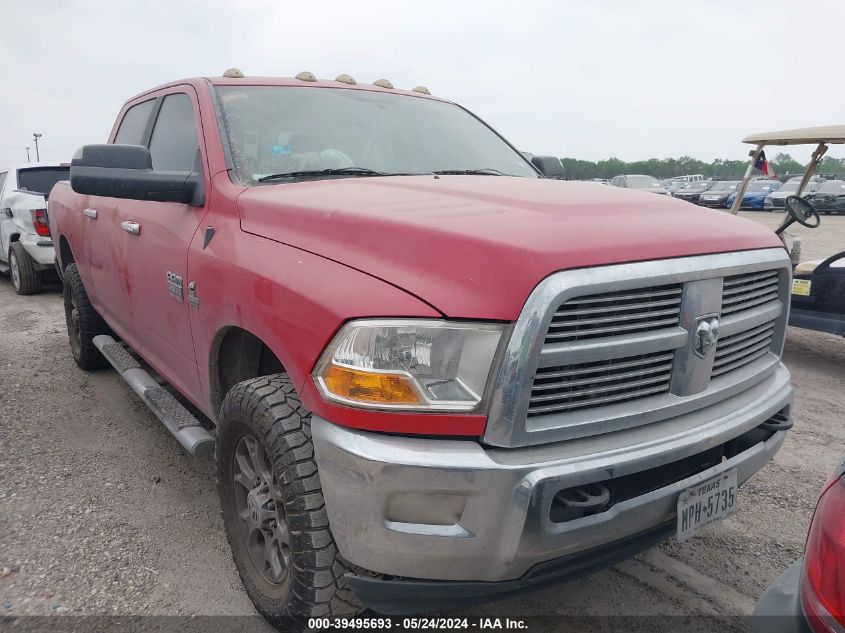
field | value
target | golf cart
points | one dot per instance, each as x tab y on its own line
818	287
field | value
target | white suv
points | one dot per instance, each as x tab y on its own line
26	248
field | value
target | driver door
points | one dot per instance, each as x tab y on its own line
156	237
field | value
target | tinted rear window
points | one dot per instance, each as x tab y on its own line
41	179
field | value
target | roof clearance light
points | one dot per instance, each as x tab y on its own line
383	83
421	89
345	79
234	73
306	76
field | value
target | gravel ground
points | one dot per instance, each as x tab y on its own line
102	513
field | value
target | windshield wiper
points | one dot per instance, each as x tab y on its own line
319	173
485	171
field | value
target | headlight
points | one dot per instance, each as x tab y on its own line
414	365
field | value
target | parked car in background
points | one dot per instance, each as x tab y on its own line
810	595
691	191
673	185
829	197
775	200
26	248
716	197
755	194
643	183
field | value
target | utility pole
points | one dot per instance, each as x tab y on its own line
27	155
36	136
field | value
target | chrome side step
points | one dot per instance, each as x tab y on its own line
181	423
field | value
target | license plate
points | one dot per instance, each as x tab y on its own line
801	287
709	501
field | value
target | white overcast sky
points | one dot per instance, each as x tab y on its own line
595	79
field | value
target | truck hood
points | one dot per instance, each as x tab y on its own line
476	246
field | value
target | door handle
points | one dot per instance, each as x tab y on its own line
133	228
90	213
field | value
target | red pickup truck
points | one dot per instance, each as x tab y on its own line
429	372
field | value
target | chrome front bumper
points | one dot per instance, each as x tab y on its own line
454	510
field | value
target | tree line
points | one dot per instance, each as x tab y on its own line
719	168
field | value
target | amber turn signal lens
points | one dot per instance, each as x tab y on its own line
365	386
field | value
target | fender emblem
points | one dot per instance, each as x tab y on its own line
174	286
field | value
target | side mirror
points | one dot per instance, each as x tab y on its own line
549	166
126	171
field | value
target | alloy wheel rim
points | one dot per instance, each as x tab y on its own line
260	511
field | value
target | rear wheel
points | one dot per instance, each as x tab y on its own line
273	507
25	278
83	322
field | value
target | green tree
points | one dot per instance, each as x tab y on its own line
830	165
784	164
577	169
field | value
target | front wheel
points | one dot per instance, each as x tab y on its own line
25	278
273	506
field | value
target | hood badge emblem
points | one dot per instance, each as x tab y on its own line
705	334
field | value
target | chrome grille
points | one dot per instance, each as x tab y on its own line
614	313
605	349
733	352
742	292
591	384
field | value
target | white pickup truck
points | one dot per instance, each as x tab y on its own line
26	248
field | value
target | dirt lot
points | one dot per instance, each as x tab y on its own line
102	513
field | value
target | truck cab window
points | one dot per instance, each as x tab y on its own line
174	144
131	130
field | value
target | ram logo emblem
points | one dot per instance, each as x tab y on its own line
705	334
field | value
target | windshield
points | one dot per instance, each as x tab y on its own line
832	186
725	186
792	185
280	130
642	182
757	187
697	186
41	179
